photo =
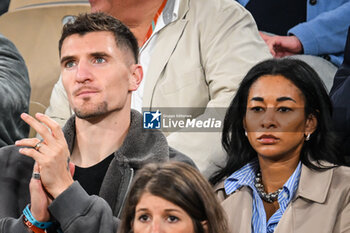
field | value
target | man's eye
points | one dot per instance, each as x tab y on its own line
69	64
144	218
284	109
172	219
100	60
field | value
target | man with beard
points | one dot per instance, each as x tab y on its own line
104	140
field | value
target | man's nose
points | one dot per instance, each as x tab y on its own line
83	72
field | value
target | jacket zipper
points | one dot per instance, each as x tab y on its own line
127	191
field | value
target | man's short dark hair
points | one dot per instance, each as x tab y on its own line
98	22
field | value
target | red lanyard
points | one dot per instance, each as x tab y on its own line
154	22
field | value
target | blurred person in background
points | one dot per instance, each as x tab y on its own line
340	96
15	93
4	6
311	30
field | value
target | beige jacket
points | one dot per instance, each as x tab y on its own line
321	204
198	62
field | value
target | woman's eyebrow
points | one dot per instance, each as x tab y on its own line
279	99
261	99
285	98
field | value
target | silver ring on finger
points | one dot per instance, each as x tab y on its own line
36	175
38	145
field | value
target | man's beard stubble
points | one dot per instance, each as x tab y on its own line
100	110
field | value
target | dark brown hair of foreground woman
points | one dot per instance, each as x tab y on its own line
181	185
322	145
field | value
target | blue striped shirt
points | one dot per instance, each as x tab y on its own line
246	177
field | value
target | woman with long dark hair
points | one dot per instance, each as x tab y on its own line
282	173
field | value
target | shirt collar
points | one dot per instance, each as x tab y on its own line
245	176
292	183
289	188
169	14
171	11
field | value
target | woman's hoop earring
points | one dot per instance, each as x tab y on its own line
308	137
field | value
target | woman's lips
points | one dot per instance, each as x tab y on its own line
268	139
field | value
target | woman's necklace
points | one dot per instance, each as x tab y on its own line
268	197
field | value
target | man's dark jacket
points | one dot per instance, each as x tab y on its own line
74	209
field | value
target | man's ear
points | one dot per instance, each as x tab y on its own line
311	124
136	77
